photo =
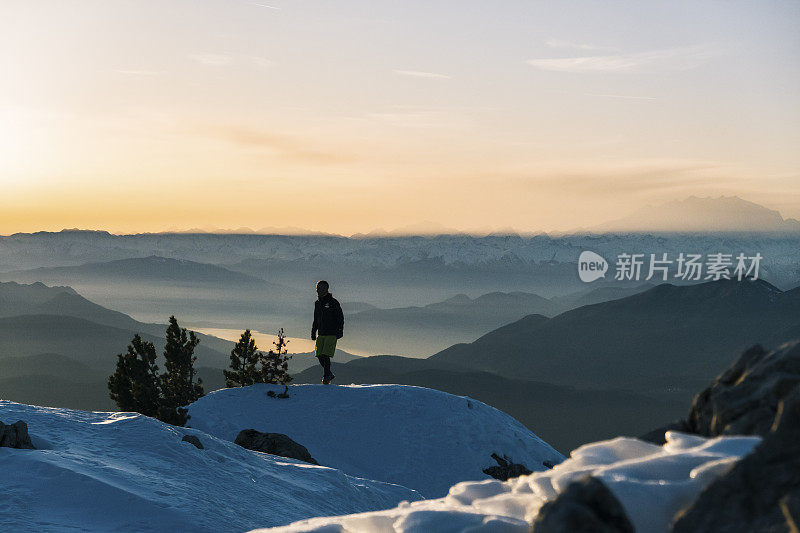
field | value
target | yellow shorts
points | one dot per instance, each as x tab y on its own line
326	345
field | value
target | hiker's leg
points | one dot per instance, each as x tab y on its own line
325	361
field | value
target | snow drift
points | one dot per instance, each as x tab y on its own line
127	472
651	482
416	437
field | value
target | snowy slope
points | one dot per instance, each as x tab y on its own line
127	472
651	482
416	437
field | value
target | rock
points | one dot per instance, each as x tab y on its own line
191	439
505	469
273	443
761	492
744	399
15	436
584	506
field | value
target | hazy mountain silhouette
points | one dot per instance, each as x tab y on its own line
64	361
57	348
725	213
149	287
39	299
267	230
84	341
421	331
596	295
666	337
423	228
143	269
54	380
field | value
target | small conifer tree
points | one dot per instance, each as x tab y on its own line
244	357
178	385
275	363
134	386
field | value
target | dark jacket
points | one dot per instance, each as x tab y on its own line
328	317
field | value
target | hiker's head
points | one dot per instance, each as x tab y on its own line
322	288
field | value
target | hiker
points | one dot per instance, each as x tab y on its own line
329	323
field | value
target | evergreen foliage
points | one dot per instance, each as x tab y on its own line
275	363
136	385
244	358
249	366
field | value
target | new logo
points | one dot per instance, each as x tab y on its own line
591	266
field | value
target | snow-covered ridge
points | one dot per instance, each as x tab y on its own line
416	437
651	482
64	249
97	471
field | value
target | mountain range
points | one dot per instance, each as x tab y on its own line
702	214
419	330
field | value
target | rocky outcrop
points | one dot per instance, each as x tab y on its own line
745	398
15	436
505	469
193	440
762	491
584	506
273	443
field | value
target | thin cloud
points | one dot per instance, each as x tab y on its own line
420	74
283	145
681	58
558	43
266	6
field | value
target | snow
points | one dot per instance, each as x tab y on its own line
97	471
652	483
412	436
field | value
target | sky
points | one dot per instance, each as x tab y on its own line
343	117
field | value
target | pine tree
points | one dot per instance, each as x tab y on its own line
178	385
275	363
135	386
244	357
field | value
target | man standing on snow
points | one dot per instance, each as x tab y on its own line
329	323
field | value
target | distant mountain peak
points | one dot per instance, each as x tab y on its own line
702	214
458	299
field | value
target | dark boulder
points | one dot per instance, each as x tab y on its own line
761	492
193	440
584	506
273	443
744	399
15	436
505	469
